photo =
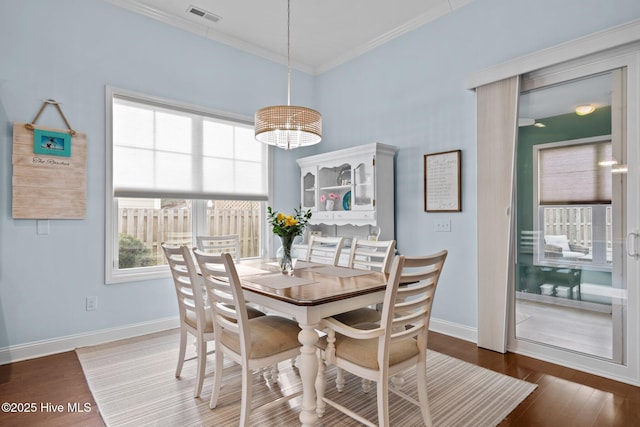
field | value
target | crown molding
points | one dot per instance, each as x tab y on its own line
204	31
433	14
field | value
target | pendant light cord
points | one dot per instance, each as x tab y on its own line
288	52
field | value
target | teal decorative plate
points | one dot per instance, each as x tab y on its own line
346	201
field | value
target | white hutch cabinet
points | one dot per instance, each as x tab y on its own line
350	192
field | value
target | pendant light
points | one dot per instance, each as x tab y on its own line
288	126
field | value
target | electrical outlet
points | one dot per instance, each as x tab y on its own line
443	226
92	303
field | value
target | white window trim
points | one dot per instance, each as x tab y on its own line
113	274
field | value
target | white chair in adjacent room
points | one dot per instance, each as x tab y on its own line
558	246
379	351
254	344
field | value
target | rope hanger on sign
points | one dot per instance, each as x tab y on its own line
44	105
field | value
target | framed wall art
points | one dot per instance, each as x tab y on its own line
51	143
442	176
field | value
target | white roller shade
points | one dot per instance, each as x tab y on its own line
165	152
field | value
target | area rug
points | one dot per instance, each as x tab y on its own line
133	383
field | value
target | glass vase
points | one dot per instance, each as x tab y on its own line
286	263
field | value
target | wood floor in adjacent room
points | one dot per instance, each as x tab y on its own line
564	397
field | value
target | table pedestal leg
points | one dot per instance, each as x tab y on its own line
308	372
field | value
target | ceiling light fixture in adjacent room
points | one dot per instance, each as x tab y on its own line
583	110
288	126
605	163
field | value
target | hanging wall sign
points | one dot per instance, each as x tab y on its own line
49	172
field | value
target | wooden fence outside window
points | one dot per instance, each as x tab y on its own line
152	227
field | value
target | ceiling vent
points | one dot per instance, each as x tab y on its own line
198	11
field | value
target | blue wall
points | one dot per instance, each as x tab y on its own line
409	93
68	50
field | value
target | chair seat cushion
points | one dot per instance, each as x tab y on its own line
208	328
365	352
190	320
356	317
269	335
253	312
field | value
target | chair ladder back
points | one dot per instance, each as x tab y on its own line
371	255
217	282
190	298
391	292
218	244
242	317
324	249
414	299
388	306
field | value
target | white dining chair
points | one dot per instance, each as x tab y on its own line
368	255
324	249
191	308
217	244
398	342
254	344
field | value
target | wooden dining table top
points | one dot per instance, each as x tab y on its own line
321	283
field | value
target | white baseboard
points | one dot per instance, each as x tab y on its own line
71	342
455	330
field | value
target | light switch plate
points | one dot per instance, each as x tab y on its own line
42	227
443	225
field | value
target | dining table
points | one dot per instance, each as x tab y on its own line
310	293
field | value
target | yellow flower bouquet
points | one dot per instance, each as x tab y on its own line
287	227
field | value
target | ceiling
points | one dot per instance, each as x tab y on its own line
564	98
324	33
327	33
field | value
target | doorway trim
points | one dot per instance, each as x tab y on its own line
617	47
604	40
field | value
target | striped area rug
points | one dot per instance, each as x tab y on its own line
133	384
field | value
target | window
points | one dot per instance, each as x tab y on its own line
175	171
574	203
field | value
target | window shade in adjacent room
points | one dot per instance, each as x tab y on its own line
167	152
572	175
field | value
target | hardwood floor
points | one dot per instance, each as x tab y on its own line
41	386
564	397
